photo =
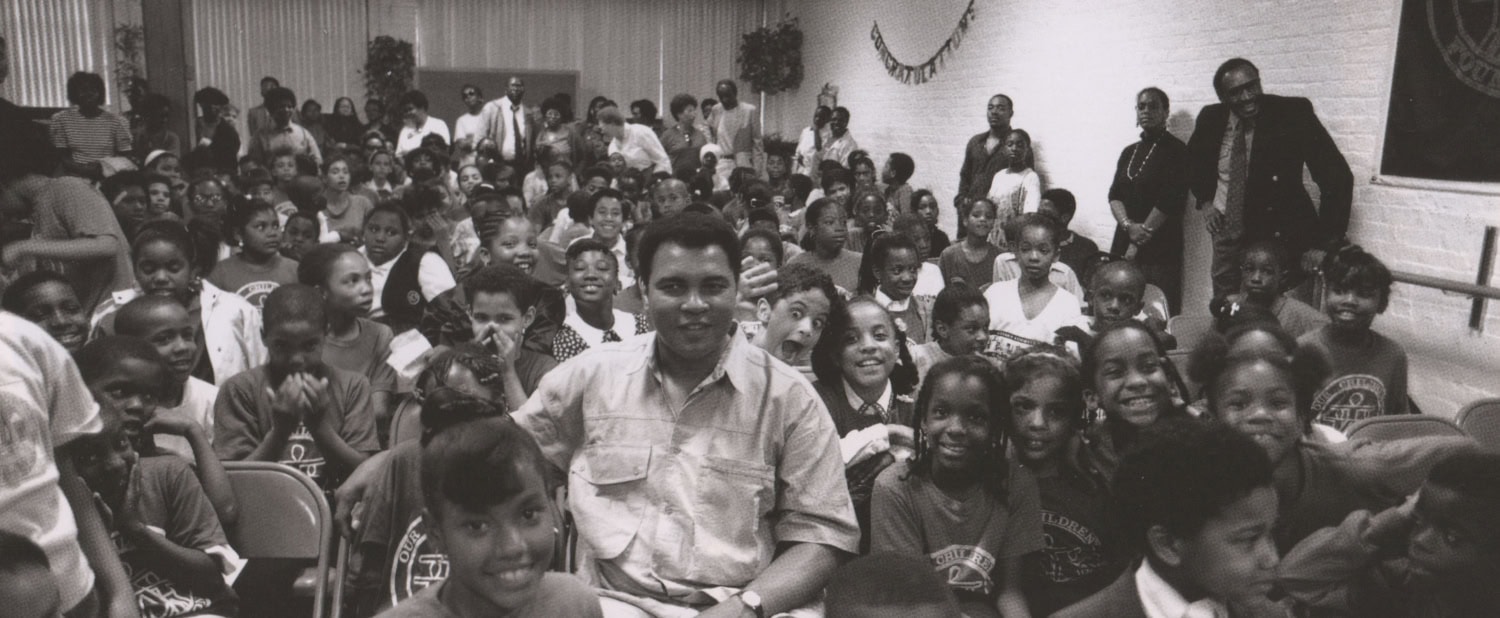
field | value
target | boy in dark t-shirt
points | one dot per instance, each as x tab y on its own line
1368	376
294	409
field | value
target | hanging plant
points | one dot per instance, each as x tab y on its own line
920	73
390	69
129	41
771	57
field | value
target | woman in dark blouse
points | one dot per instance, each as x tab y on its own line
1147	197
343	125
218	143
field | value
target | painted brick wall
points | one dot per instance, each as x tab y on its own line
1073	67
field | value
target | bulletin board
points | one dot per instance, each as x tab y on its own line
442	87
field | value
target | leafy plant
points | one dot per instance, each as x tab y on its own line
771	57
129	41
390	69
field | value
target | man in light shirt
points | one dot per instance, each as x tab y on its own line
508	121
736	125
470	126
418	124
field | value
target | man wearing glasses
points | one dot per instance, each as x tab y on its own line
469	128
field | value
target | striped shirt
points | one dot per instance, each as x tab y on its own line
90	139
293	138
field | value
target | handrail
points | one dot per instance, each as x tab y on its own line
1447	285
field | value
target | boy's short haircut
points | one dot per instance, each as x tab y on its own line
909	225
317	263
838	176
1114	266
500	278
891	581
763	214
689	231
13	300
1475	477
1269	247
1063	201
478	464
414	98
1353	267
588	244
593	204
295	302
394	209
1182	474
700	208
797	278
771	239
802	185
562	163
597	171
102	354
303	216
828	165
446	407
952	300
279	96
902	166
18	552
130	320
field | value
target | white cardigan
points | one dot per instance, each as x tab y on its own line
231	329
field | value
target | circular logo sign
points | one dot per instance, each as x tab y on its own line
1467	35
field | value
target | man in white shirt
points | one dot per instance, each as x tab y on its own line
469	128
840	142
508	121
637	143
418	124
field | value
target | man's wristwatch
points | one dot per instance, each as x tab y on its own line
752	601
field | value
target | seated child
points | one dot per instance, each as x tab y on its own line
960	327
591	317
258	267
1047	420
889	584
888	274
487	502
343	216
27	586
47	299
1073	250
925	205
354	343
502	306
394	557
930	277
1028	311
761	243
165	324
159	202
869	215
1117	292
1197	500
1133	385
1368	370
299	234
295	409
162	522
791	320
972	258
1436	555
404	277
1266	397
507	238
898	169
960	502
607	217
827	229
1262	272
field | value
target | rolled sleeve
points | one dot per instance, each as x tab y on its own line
812	501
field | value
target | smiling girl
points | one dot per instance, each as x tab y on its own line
960	502
1132	383
888	274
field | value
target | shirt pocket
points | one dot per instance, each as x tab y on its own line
733	499
609	498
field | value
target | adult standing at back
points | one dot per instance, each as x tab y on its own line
1147	197
419	124
736	125
469	127
984	155
1245	163
510	124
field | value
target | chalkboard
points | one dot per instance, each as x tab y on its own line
442	87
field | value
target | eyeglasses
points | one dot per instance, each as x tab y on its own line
470	93
208	198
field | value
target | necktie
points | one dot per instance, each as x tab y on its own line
872	408
1239	168
610	336
515	125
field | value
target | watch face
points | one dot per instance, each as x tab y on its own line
751	598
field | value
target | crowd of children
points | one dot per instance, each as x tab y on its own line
1015	438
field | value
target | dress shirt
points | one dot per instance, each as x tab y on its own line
1160	600
1226	148
499	116
839	148
641	149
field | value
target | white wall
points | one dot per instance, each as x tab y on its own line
1073	67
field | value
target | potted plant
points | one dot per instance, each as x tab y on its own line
771	57
390	68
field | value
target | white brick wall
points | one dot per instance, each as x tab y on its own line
1073	67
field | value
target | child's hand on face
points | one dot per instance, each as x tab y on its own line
507	349
169	425
287	402
757	279
315	398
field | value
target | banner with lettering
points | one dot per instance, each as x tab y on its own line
1444	120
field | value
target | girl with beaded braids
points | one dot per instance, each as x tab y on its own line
960	501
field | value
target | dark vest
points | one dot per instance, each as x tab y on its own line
402	298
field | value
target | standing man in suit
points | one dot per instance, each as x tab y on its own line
509	123
1245	163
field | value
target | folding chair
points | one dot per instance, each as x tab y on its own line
1481	419
1190	330
1398	426
283	515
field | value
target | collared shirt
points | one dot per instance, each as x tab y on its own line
687	505
641	149
1160	600
886	398
411	137
292	137
839	148
500	117
892	305
1226	149
626	275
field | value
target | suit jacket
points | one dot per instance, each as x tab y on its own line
1118	600
1288	136
496	125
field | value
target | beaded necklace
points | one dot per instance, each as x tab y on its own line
1142	168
